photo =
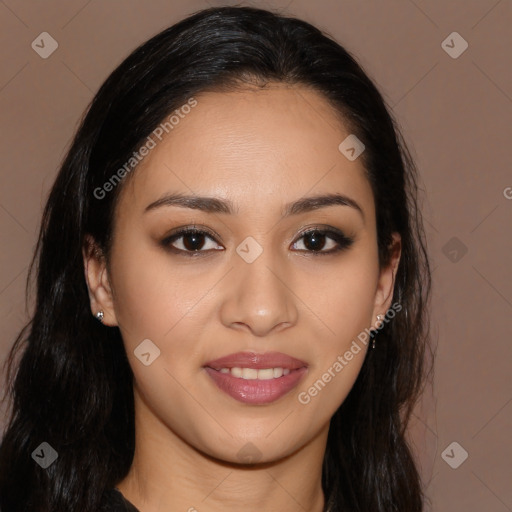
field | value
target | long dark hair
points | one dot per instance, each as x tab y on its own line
73	385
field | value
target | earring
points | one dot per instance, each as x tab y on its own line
379	318
99	315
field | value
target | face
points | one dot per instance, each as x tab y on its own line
262	278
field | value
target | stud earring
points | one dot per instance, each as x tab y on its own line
379	318
99	315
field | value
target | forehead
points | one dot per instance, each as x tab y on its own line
252	145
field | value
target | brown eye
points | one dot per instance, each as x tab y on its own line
316	239
193	240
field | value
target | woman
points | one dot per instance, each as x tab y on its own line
232	287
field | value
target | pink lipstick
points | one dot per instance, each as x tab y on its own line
254	378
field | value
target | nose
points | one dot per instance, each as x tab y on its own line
260	296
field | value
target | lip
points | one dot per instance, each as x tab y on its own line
254	391
257	361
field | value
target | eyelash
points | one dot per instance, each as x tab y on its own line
343	241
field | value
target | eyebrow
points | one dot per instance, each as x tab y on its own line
216	205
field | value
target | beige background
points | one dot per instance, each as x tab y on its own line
456	115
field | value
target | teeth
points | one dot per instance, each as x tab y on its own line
236	372
253	373
250	373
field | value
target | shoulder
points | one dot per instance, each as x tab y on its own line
114	501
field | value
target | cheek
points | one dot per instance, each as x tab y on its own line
356	300
344	298
344	308
151	297
157	302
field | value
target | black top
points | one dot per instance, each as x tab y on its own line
114	501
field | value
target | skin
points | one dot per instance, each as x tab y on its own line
260	149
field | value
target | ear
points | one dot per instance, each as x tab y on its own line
386	284
97	279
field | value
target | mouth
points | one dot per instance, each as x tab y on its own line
254	378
